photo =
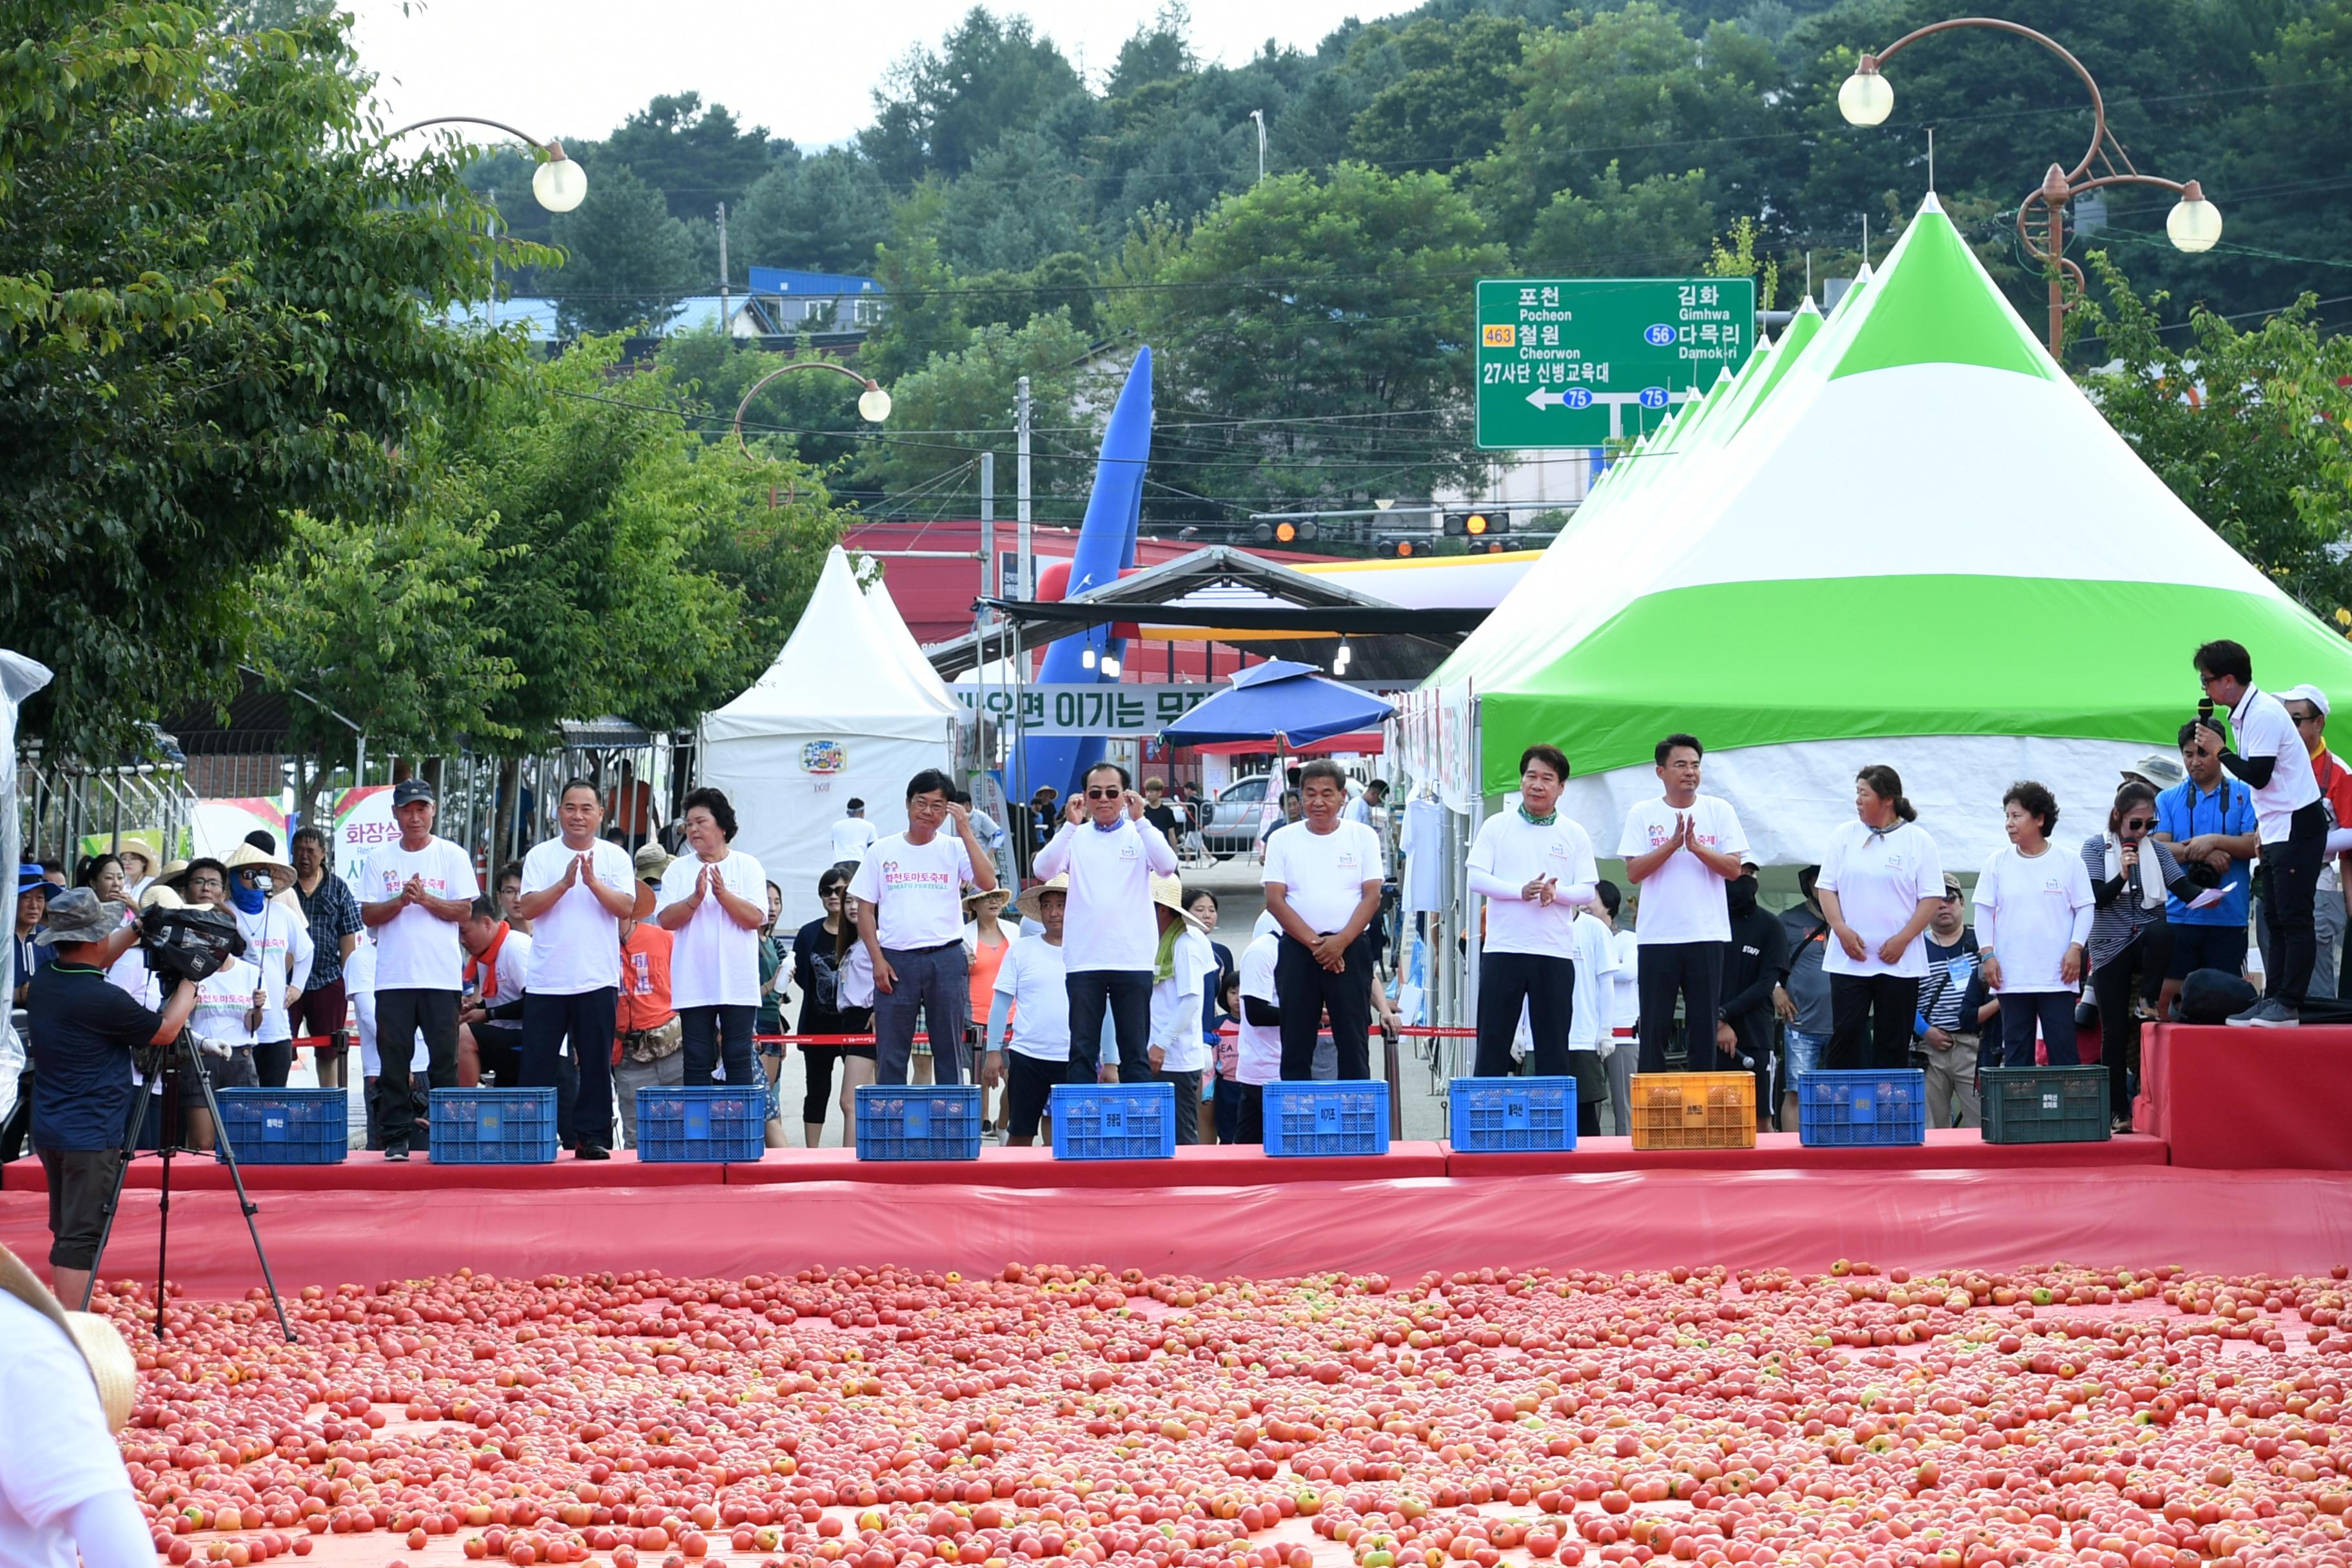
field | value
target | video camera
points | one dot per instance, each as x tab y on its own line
189	944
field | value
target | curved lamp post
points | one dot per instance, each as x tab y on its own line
2194	223
873	404
559	182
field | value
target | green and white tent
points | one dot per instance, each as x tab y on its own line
1905	537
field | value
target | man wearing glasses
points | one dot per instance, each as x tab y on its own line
2209	820
2289	819
1111	935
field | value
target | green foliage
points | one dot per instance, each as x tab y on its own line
1020	201
963	403
1447	107
1660	227
696	156
1738	259
825	214
220	302
2249	427
626	261
939	113
1338	296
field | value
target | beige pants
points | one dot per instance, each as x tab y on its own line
628	1077
1952	1079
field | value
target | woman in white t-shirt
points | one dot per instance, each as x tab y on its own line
713	900
1880	884
2033	915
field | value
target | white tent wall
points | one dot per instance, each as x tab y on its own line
19	679
848	710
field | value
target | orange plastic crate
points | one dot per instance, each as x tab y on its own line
1694	1110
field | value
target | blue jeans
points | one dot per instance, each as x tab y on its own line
936	981
1801	1053
1125	995
713	1032
2054	1011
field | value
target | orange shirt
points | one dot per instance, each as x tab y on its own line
644	1001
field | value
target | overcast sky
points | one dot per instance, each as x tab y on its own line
804	70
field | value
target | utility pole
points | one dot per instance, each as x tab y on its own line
1021	490
726	330
989	587
1259	115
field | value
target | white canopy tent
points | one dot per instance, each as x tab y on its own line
850	709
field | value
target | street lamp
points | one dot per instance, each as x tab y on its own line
2194	223
873	404
560	183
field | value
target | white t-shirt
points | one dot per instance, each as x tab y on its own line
713	962
1682	899
1510	852
2029	912
856	983
1358	809
280	948
577	940
1323	874
1259	1060
1176	1005
852	837
517	956
359	982
1596	962
130	973
914	889
222	999
53	1463
417	950
1625	980
2259	727
1033	976
1879	879
1110	924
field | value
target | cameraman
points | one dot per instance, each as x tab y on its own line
84	1030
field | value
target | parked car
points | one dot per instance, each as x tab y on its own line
1233	816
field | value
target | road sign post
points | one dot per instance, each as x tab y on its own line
1580	362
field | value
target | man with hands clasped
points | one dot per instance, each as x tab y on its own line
912	883
416	891
1536	870
1681	849
1110	937
1322	880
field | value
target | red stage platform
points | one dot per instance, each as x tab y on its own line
1947	1149
2238	1099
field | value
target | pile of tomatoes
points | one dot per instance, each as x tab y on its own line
1071	1417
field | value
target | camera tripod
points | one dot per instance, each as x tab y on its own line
174	1062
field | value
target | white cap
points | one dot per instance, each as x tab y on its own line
2309	693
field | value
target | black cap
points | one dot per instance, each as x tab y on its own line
261	838
855	803
407	792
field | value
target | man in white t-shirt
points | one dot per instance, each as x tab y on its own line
2270	756
1109	854
1624	1004
1589	1033
1535	869
577	891
1258	1062
413	892
1681	849
1322	880
1029	1017
853	835
64	1494
912	883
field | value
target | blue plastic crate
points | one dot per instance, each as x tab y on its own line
1852	1110
704	1125
918	1121
493	1127
1350	1117
285	1126
1114	1120
1493	1115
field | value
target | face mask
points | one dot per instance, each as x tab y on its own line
249	899
1741	893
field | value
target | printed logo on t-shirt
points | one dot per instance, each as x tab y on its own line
1347	859
896	878
394	881
1130	850
641	974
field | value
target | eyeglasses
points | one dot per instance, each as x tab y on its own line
1104	793
2306	718
2142	823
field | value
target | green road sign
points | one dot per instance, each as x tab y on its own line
1578	361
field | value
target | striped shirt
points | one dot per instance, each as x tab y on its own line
2119	916
1946	989
333	914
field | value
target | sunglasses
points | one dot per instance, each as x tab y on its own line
1104	793
2142	823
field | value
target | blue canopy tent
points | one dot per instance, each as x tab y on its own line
1288	703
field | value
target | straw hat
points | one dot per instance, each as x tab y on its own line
159	896
1001	894
651	861
140	845
1030	902
109	1359
248	857
1168	893
172	871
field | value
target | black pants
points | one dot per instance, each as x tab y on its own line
1250	1122
1309	991
1126	996
586	1018
1186	1086
1870	1022
273	1062
1692	971
17	1131
2111	988
1591	1090
1546	985
2054	1011
717	1036
2290	883
399	1014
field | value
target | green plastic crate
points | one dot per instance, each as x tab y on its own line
2045	1105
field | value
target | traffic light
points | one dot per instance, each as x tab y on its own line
1402	549
1484	523
1288	532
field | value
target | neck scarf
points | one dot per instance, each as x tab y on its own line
1165	967
486	963
1532	820
249	899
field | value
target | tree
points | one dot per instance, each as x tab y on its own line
825	213
696	156
626	261
1020	203
962	402
223	302
1447	109
939	113
2250	427
1658	227
1158	50
1305	300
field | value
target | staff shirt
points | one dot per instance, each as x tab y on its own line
2260	727
417	950
2028	912
1879	879
1682	901
1510	852
915	891
576	940
1323	874
1109	924
714	963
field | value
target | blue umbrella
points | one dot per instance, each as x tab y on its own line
1282	702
